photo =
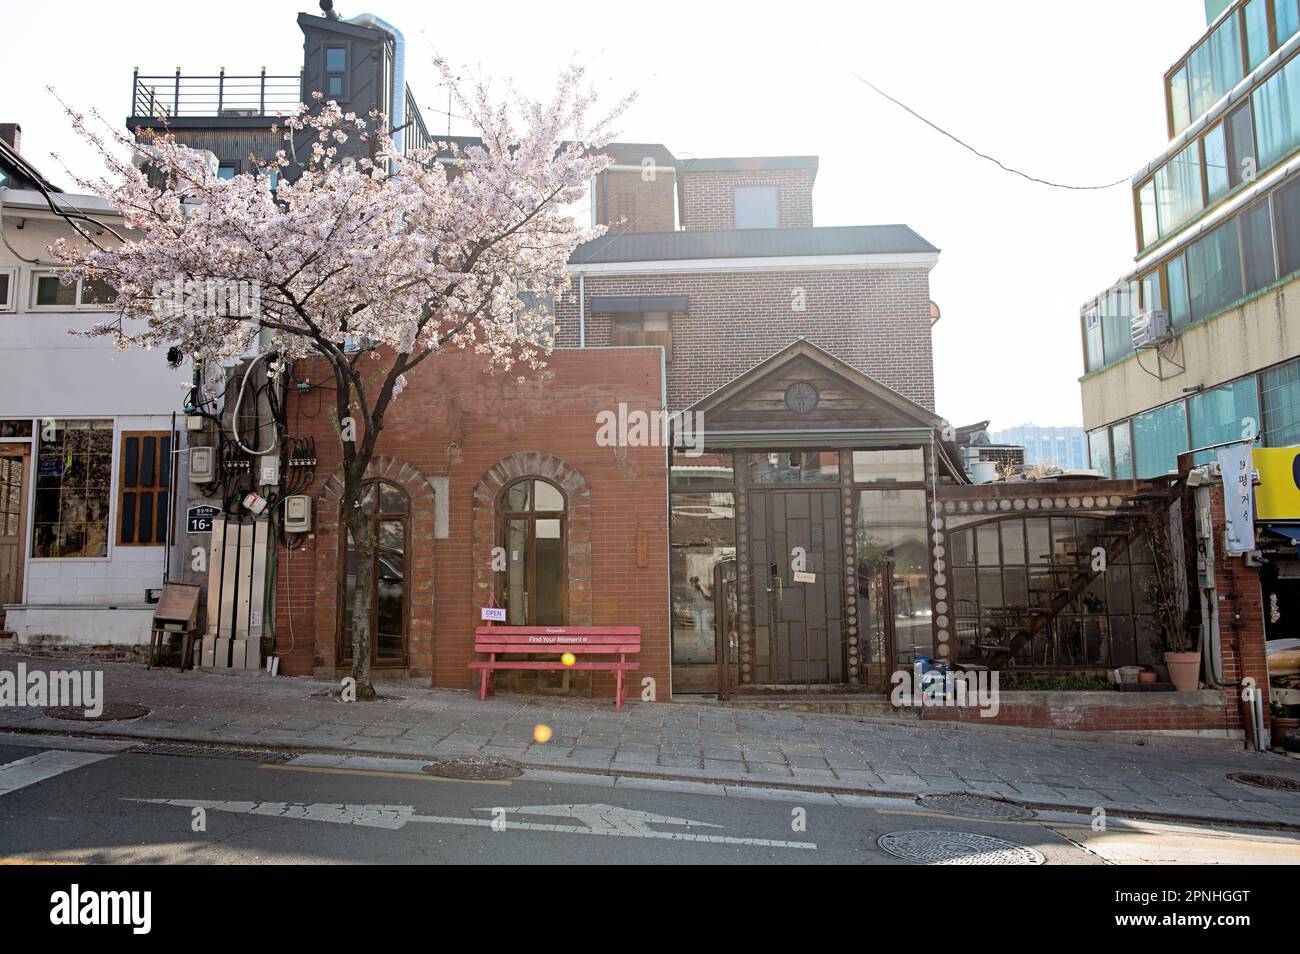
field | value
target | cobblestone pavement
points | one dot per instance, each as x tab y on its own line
685	740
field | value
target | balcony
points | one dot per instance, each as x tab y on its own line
254	100
228	101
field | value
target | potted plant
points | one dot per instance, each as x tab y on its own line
1283	723
1168	619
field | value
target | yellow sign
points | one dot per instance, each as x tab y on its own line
1278	495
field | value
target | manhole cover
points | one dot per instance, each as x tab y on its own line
1276	782
956	848
213	752
474	768
112	712
975	806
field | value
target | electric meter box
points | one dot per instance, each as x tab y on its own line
203	464
297	513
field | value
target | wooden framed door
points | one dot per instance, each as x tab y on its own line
14	459
801	620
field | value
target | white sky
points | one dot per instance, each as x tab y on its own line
1069	92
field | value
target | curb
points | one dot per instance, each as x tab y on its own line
609	772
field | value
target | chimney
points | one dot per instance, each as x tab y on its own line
12	134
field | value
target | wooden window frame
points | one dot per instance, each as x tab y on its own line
502	516
162	471
340	623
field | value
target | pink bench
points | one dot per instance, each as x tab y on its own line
554	640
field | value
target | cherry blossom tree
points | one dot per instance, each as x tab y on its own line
369	259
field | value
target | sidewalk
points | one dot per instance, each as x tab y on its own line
684	740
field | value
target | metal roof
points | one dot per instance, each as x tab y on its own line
751	243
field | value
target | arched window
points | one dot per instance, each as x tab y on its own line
531	529
389	508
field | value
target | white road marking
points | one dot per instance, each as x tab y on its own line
37	768
599	819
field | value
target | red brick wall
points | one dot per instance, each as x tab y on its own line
1157	715
708	198
877	320
646	205
451	400
1241	620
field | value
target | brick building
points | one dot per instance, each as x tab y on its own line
807	528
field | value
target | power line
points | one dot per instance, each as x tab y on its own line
957	139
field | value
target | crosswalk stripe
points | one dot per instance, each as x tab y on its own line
43	765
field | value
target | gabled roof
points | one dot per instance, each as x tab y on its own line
908	411
751	243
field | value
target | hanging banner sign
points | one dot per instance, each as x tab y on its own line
496	614
1238	491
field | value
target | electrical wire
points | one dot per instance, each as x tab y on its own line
957	139
234	418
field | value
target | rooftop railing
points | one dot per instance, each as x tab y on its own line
176	96
225	96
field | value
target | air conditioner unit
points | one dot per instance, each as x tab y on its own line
1150	328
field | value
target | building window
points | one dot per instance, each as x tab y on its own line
74	468
1214	271
1241	144
1277	124
388	508
8	286
647	328
1286	19
50	292
1099	451
703	531
756	207
1159	436
1008	564
794	467
892	563
1226	413
1280	395
144	471
227	170
1257	45
336	72
531	530
889	466
1178	189
1121	442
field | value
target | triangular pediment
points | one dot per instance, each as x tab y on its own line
805	387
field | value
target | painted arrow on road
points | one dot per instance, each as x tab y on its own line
597	819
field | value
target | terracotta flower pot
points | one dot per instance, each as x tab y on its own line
1147	676
1184	670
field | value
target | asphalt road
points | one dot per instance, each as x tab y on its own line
58	804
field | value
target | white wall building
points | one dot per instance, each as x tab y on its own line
86	440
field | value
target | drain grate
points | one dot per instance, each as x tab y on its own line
477	768
212	752
956	848
112	712
975	806
1277	783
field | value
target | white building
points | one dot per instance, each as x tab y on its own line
86	439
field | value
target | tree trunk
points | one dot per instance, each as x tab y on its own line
362	540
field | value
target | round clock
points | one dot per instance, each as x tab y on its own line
801	397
